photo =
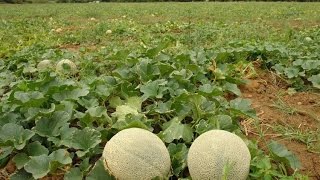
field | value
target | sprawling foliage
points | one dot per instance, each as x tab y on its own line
177	79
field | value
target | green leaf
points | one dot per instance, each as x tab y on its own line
62	156
51	127
232	88
291	72
146	70
103	90
123	110
203	126
221	121
208	89
243	106
134	102
120	55
30	96
38	166
99	172
97	111
315	79
73	174
88	103
131	106
85	165
174	129
15	135
5	153
65	136
115	101
20	160
85	140
73	94
310	64
123	73
151	53
130	121
178	155
36	149
128	89
8	118
163	107
282	154
165	68
153	89
21	175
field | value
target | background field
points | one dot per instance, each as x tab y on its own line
216	54
193	24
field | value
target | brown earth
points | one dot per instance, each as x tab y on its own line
275	107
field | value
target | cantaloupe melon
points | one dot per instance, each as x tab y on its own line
65	66
217	155
44	65
136	154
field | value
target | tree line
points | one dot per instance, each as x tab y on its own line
97	1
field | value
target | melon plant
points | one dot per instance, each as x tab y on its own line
44	65
66	66
136	154
219	154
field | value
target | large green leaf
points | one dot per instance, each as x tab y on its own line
146	70
315	79
84	140
161	46
72	94
130	121
5	153
291	72
73	174
51	126
123	110
62	156
15	135
174	129
203	126
21	175
208	89
34	97
282	154
99	172
243	106
131	106
65	136
38	166
153	89
178	155
20	160
36	149
232	88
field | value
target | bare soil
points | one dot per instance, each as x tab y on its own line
264	92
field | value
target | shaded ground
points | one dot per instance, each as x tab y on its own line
292	120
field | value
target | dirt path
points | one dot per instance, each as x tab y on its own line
290	119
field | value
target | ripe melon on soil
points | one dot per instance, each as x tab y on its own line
219	154
136	154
